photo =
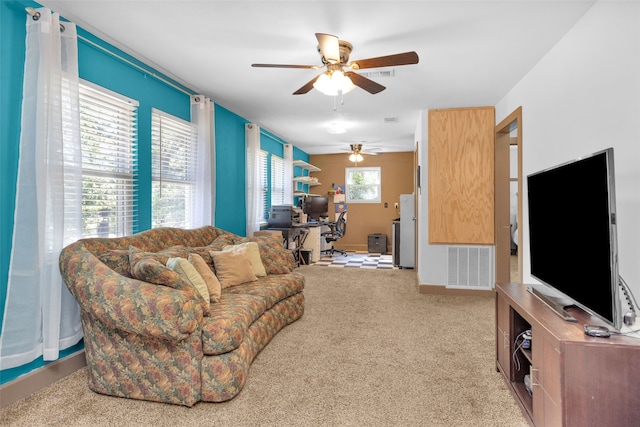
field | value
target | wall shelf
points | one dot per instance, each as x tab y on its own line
302	183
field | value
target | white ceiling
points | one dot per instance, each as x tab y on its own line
471	54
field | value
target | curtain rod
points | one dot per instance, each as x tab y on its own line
36	15
275	138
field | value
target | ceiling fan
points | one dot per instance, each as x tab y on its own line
339	75
356	152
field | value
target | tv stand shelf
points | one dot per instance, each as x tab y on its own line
576	380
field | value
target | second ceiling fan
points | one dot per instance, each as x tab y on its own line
339	75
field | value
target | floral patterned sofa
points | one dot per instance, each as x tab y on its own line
164	342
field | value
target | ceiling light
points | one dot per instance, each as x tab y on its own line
355	157
336	128
334	82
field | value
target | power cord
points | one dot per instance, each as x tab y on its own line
629	318
519	341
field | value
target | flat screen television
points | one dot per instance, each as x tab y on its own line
572	236
316	206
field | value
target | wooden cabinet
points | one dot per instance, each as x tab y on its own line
575	380
460	175
502	336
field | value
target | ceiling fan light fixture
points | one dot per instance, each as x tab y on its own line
355	157
334	82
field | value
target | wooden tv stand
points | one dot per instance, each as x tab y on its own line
576	380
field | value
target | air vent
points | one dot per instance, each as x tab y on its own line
470	267
390	119
377	74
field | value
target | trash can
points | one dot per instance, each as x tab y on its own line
306	256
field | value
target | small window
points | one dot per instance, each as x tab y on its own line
265	186
277	181
363	185
174	145
108	137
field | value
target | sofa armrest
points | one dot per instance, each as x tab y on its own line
127	304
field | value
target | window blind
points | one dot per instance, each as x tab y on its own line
108	126
277	180
174	153
265	184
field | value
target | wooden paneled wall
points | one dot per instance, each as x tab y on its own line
461	170
398	177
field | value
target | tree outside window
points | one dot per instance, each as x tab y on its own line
363	185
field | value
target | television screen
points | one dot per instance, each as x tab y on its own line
572	233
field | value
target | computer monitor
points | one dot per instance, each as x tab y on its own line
316	207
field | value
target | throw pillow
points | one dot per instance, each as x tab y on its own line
253	252
232	268
275	257
213	284
147	267
217	245
189	273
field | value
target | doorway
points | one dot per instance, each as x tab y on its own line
508	198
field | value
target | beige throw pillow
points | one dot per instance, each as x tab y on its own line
232	268
253	253
213	284
188	272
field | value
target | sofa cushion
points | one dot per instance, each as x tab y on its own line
217	245
253	253
232	268
212	282
275	257
240	306
118	259
189	273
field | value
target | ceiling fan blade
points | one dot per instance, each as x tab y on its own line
329	47
283	66
365	83
405	58
307	87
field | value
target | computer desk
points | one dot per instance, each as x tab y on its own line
294	238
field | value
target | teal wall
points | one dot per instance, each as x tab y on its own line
103	69
230	171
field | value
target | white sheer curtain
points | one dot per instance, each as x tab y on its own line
41	317
254	178
204	200
288	172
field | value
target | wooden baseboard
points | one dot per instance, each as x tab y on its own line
28	384
443	290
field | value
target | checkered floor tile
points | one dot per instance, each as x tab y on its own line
357	260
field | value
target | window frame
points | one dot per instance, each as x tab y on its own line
184	177
119	171
377	186
277	174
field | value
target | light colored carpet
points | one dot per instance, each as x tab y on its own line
369	351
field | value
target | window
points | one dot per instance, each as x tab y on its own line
277	180
363	185
108	136
173	146
265	185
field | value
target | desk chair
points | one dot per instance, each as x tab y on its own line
337	230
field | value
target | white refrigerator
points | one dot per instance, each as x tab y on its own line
407	231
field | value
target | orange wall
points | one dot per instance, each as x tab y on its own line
398	177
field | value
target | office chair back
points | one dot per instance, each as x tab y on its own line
341	226
338	230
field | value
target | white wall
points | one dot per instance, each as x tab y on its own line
584	96
432	259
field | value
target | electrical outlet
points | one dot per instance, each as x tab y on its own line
395	205
386	205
